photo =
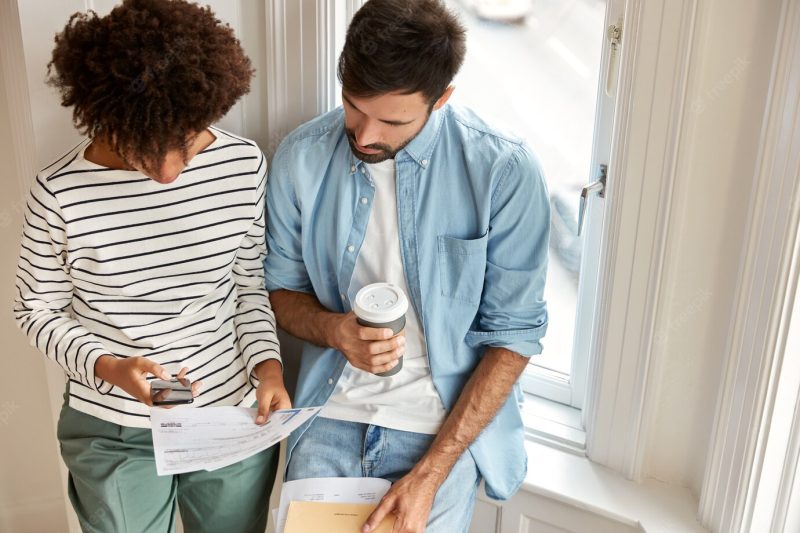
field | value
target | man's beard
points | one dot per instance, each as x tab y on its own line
386	151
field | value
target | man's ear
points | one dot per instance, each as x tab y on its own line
444	98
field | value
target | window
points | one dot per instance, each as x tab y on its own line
532	67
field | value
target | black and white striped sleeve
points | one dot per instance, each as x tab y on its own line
254	319
42	306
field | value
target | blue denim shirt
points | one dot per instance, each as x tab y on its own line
474	217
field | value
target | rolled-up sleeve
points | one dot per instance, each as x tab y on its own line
512	312
284	267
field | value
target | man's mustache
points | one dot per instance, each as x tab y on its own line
352	136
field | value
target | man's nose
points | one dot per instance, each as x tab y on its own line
367	133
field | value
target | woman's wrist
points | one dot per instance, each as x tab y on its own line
104	367
268	369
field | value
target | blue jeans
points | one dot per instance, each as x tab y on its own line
336	448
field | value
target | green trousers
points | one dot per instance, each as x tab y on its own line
114	488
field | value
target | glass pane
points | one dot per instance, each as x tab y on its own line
532	67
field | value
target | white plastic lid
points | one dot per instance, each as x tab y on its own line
380	303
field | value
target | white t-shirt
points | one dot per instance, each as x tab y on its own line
407	401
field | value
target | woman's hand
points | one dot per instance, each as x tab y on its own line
271	393
130	374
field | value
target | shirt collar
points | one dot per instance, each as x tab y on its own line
419	149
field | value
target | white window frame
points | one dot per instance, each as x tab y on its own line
641	180
751	481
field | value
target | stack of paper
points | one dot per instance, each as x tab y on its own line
347	499
307	517
189	439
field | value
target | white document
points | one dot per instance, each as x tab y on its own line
187	439
331	490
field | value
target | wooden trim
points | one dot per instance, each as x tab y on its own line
298	90
753	371
276	77
640	186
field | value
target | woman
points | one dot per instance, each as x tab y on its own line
142	257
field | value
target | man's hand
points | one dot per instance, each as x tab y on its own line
410	499
130	375
488	388
271	393
374	350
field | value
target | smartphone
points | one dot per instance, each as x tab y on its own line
171	392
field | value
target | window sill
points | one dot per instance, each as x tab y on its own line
553	424
588	488
560	472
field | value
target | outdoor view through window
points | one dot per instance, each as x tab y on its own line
532	68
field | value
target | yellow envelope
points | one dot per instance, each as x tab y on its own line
324	517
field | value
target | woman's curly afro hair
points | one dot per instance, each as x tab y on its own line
148	76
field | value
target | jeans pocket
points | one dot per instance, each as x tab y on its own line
462	267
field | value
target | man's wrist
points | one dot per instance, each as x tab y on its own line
329	324
434	469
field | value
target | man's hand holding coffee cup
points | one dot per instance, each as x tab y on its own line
375	350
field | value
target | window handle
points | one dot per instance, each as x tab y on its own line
598	186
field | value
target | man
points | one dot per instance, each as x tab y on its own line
398	186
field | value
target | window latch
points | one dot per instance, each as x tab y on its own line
598	186
614	36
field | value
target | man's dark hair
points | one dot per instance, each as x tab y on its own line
148	75
404	46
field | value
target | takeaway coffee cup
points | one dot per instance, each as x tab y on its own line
382	305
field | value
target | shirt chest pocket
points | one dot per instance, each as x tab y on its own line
462	266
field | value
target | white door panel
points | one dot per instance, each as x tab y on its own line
486	517
531	513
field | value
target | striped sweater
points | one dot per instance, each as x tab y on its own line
112	262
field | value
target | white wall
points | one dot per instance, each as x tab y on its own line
731	63
31	487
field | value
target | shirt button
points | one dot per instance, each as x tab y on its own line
330	381
353	168
364	200
351	248
363	171
344	296
424	162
